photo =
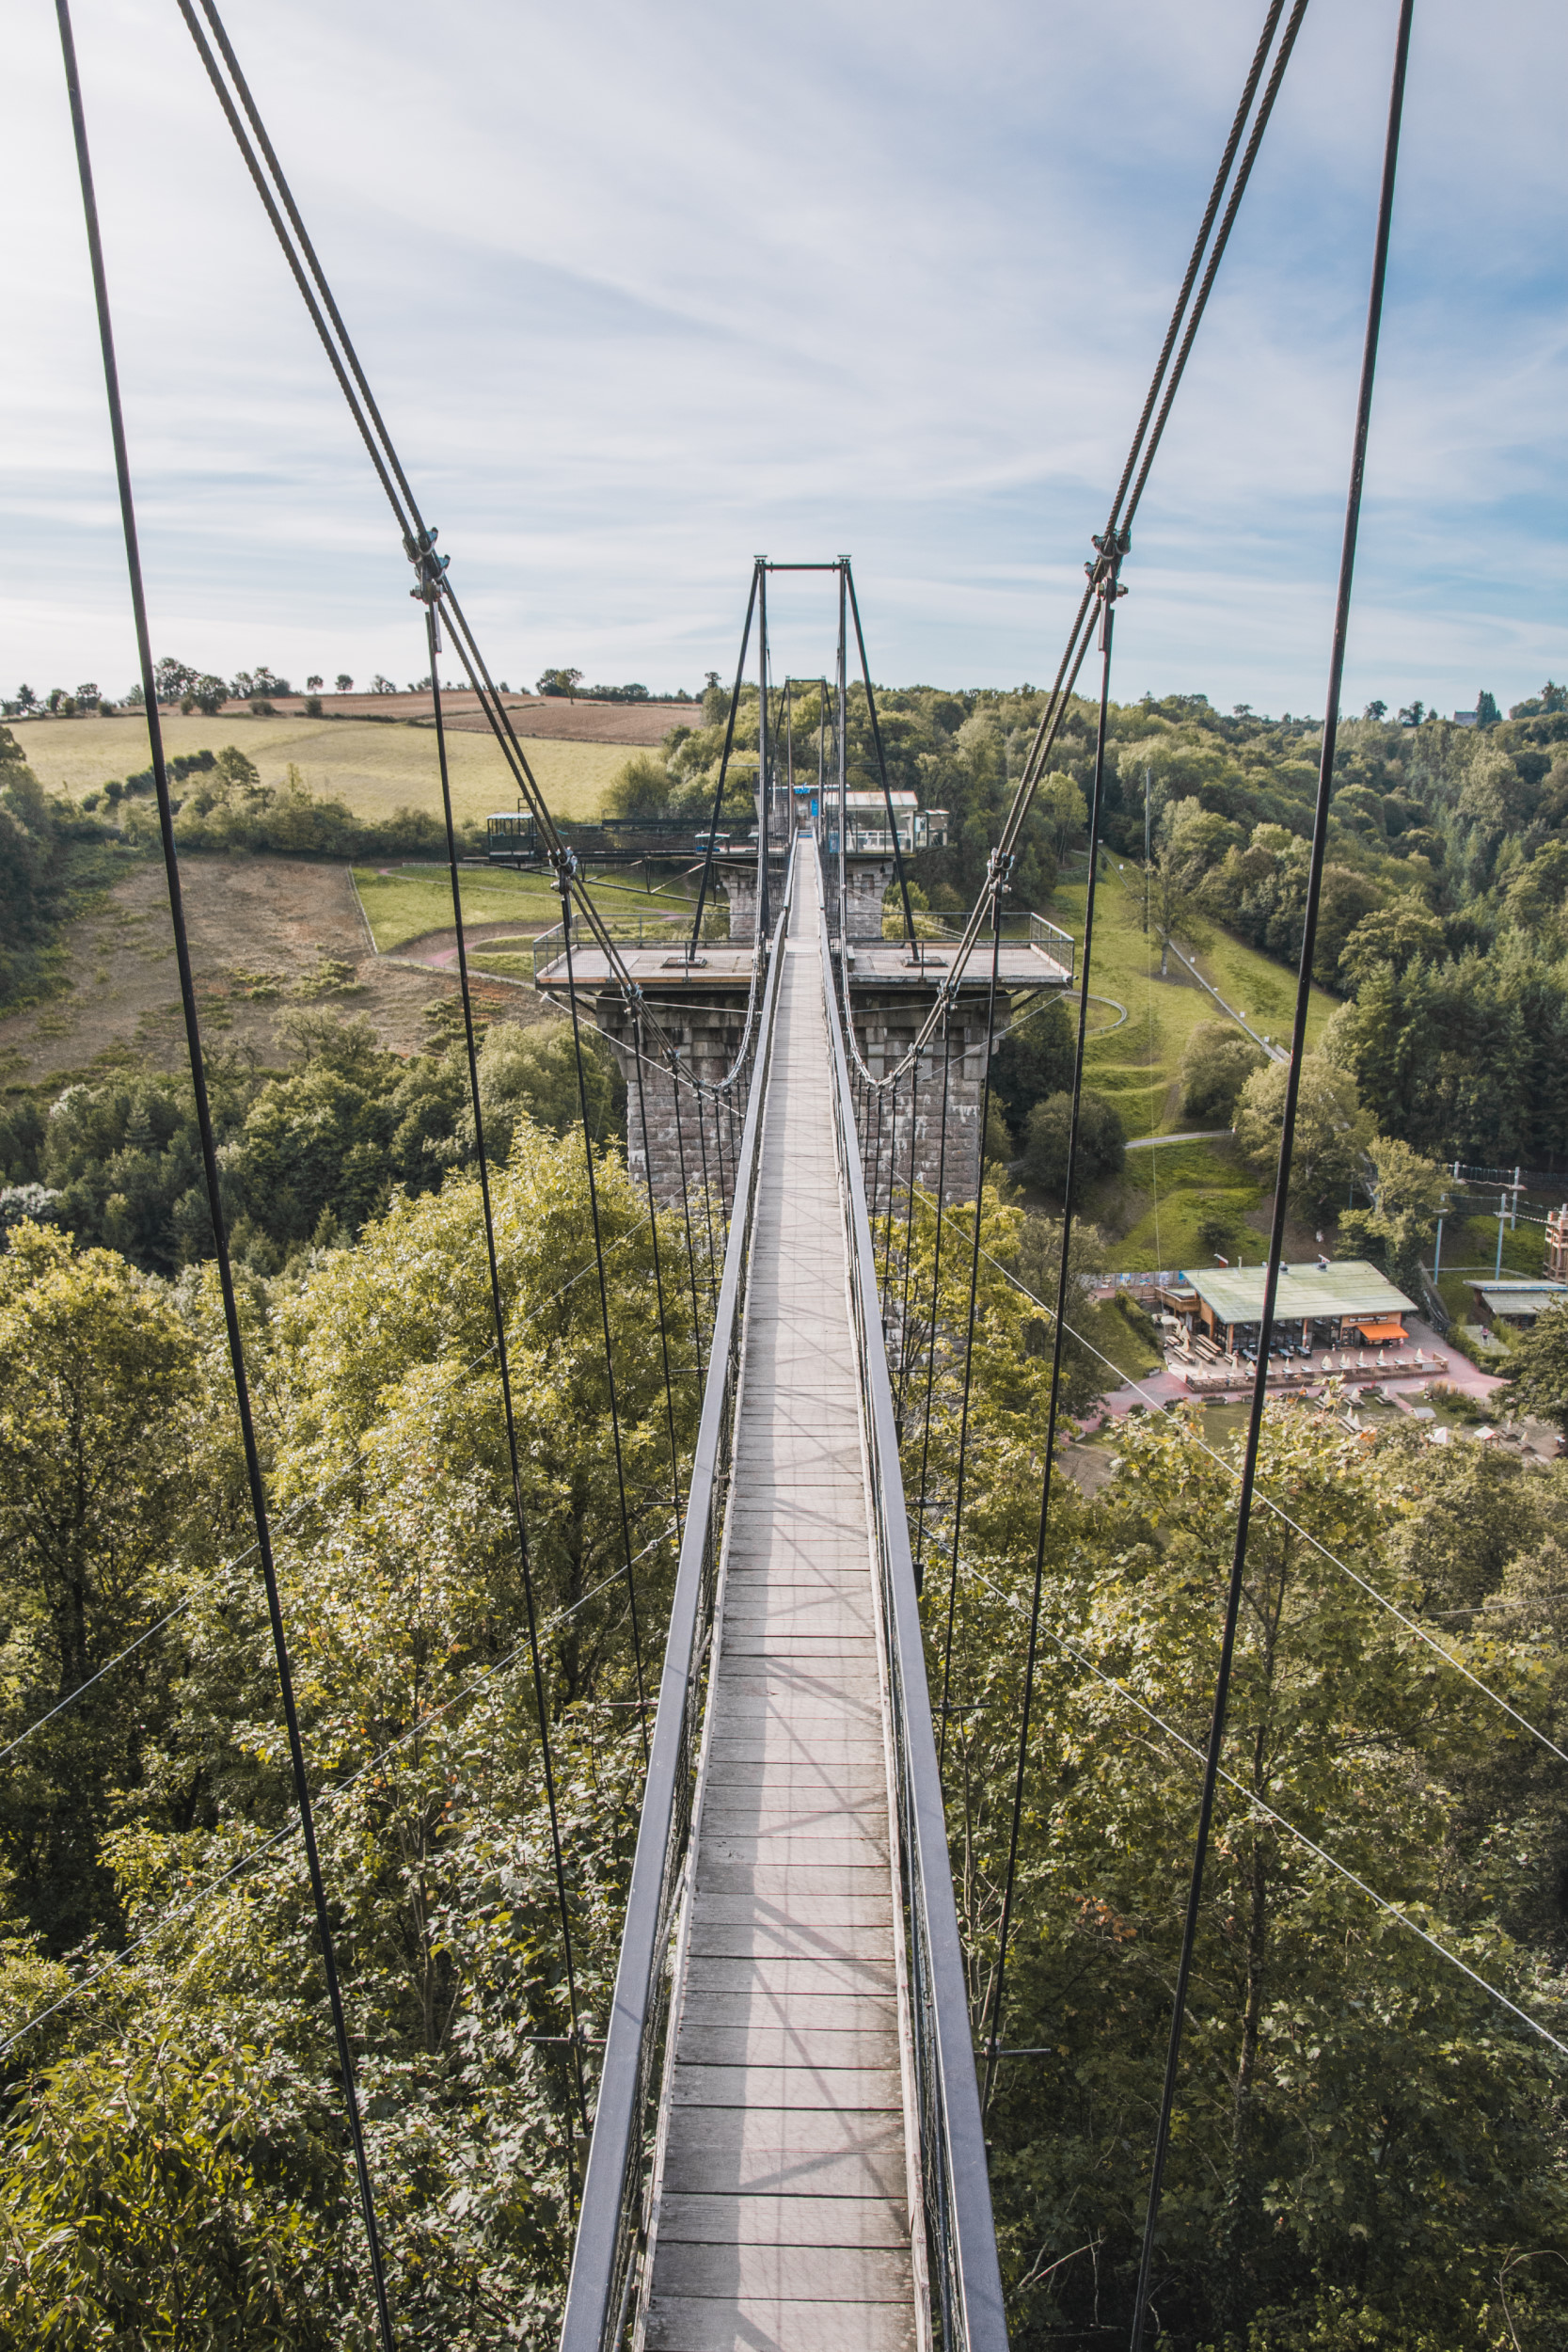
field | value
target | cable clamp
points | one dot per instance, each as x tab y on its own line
1104	572
430	567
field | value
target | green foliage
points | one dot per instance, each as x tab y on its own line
172	2166
1101	1141
1332	1131
1034	1060
1537	1369
1361	2138
307	1156
1216	1063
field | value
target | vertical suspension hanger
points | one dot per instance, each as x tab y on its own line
566	868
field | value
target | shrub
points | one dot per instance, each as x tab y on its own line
1101	1141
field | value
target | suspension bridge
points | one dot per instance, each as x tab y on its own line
786	2145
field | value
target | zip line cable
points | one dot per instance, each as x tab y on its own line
210	1170
603	1312
432	639
1287	1144
1105	581
998	872
1320	1853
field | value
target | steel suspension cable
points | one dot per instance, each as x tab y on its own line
723	768
936	1295
1287	1144
503	1366
266	173
565	880
1165	382
904	1366
998	882
882	764
686	1205
658	1287
1107	589
254	1479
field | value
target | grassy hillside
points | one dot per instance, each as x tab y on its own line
374	766
1136	1062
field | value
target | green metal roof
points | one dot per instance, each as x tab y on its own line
1347	1286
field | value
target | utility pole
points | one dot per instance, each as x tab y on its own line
1502	1211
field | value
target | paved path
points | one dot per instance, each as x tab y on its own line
782	2214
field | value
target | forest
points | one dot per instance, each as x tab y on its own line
1445	913
1370	2152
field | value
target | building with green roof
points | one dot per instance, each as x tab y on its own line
1342	1302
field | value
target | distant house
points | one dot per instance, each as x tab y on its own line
1466	717
1327	1303
1516	1302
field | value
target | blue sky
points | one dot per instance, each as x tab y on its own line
645	291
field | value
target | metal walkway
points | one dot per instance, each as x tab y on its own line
785	2176
787	2153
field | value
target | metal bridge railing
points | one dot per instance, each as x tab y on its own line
612	2221
960	2234
639	930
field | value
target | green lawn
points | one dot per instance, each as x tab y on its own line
1136	1063
403	902
1153	1206
374	766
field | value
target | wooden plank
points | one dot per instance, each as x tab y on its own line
872	2088
776	1975
797	2043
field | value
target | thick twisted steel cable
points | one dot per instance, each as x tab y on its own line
503	1365
936	1298
881	760
266	172
1108	594
254	1479
1287	1145
1156	410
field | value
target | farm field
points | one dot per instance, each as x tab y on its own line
1135	1063
374	766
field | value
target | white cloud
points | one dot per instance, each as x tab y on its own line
645	291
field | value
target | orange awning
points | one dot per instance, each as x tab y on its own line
1375	1332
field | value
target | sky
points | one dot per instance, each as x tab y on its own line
647	291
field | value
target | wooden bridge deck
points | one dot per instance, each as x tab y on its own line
780	2220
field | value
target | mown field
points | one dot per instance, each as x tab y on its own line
404	902
372	766
1136	1062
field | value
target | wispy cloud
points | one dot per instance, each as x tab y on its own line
643	291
